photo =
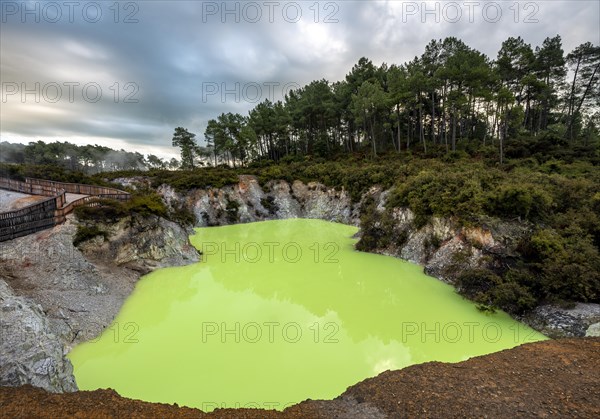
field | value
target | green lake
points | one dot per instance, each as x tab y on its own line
278	312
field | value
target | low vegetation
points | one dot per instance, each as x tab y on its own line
85	233
142	204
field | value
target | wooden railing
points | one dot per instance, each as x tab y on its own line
52	211
46	189
28	220
88	201
76	188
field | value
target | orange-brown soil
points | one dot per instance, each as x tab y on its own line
559	378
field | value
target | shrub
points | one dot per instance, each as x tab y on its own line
143	203
513	298
571	273
109	211
232	207
378	229
85	233
523	201
543	244
182	215
146	204
477	284
269	204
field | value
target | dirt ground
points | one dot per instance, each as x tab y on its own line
559	378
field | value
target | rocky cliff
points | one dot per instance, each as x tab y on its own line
30	353
247	202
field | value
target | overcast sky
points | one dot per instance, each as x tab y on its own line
126	75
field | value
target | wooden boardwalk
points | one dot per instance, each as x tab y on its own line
63	198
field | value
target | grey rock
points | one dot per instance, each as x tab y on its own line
558	322
277	200
593	330
134	183
142	244
29	352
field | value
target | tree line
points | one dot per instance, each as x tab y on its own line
88	159
451	95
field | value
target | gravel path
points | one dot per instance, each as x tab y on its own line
70	197
10	200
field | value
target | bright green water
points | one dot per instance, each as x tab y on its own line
298	315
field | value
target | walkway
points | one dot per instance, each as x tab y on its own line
10	200
71	197
55	200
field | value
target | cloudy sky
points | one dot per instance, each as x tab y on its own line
126	74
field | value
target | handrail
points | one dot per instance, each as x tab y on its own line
51	211
77	188
25	187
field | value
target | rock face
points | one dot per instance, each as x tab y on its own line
558	322
247	202
29	352
444	246
142	244
75	293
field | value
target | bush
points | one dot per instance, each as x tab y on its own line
378	229
440	193
523	201
186	180
182	215
232	209
109	211
513	298
571	273
269	204
146	204
543	244
478	284
85	233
